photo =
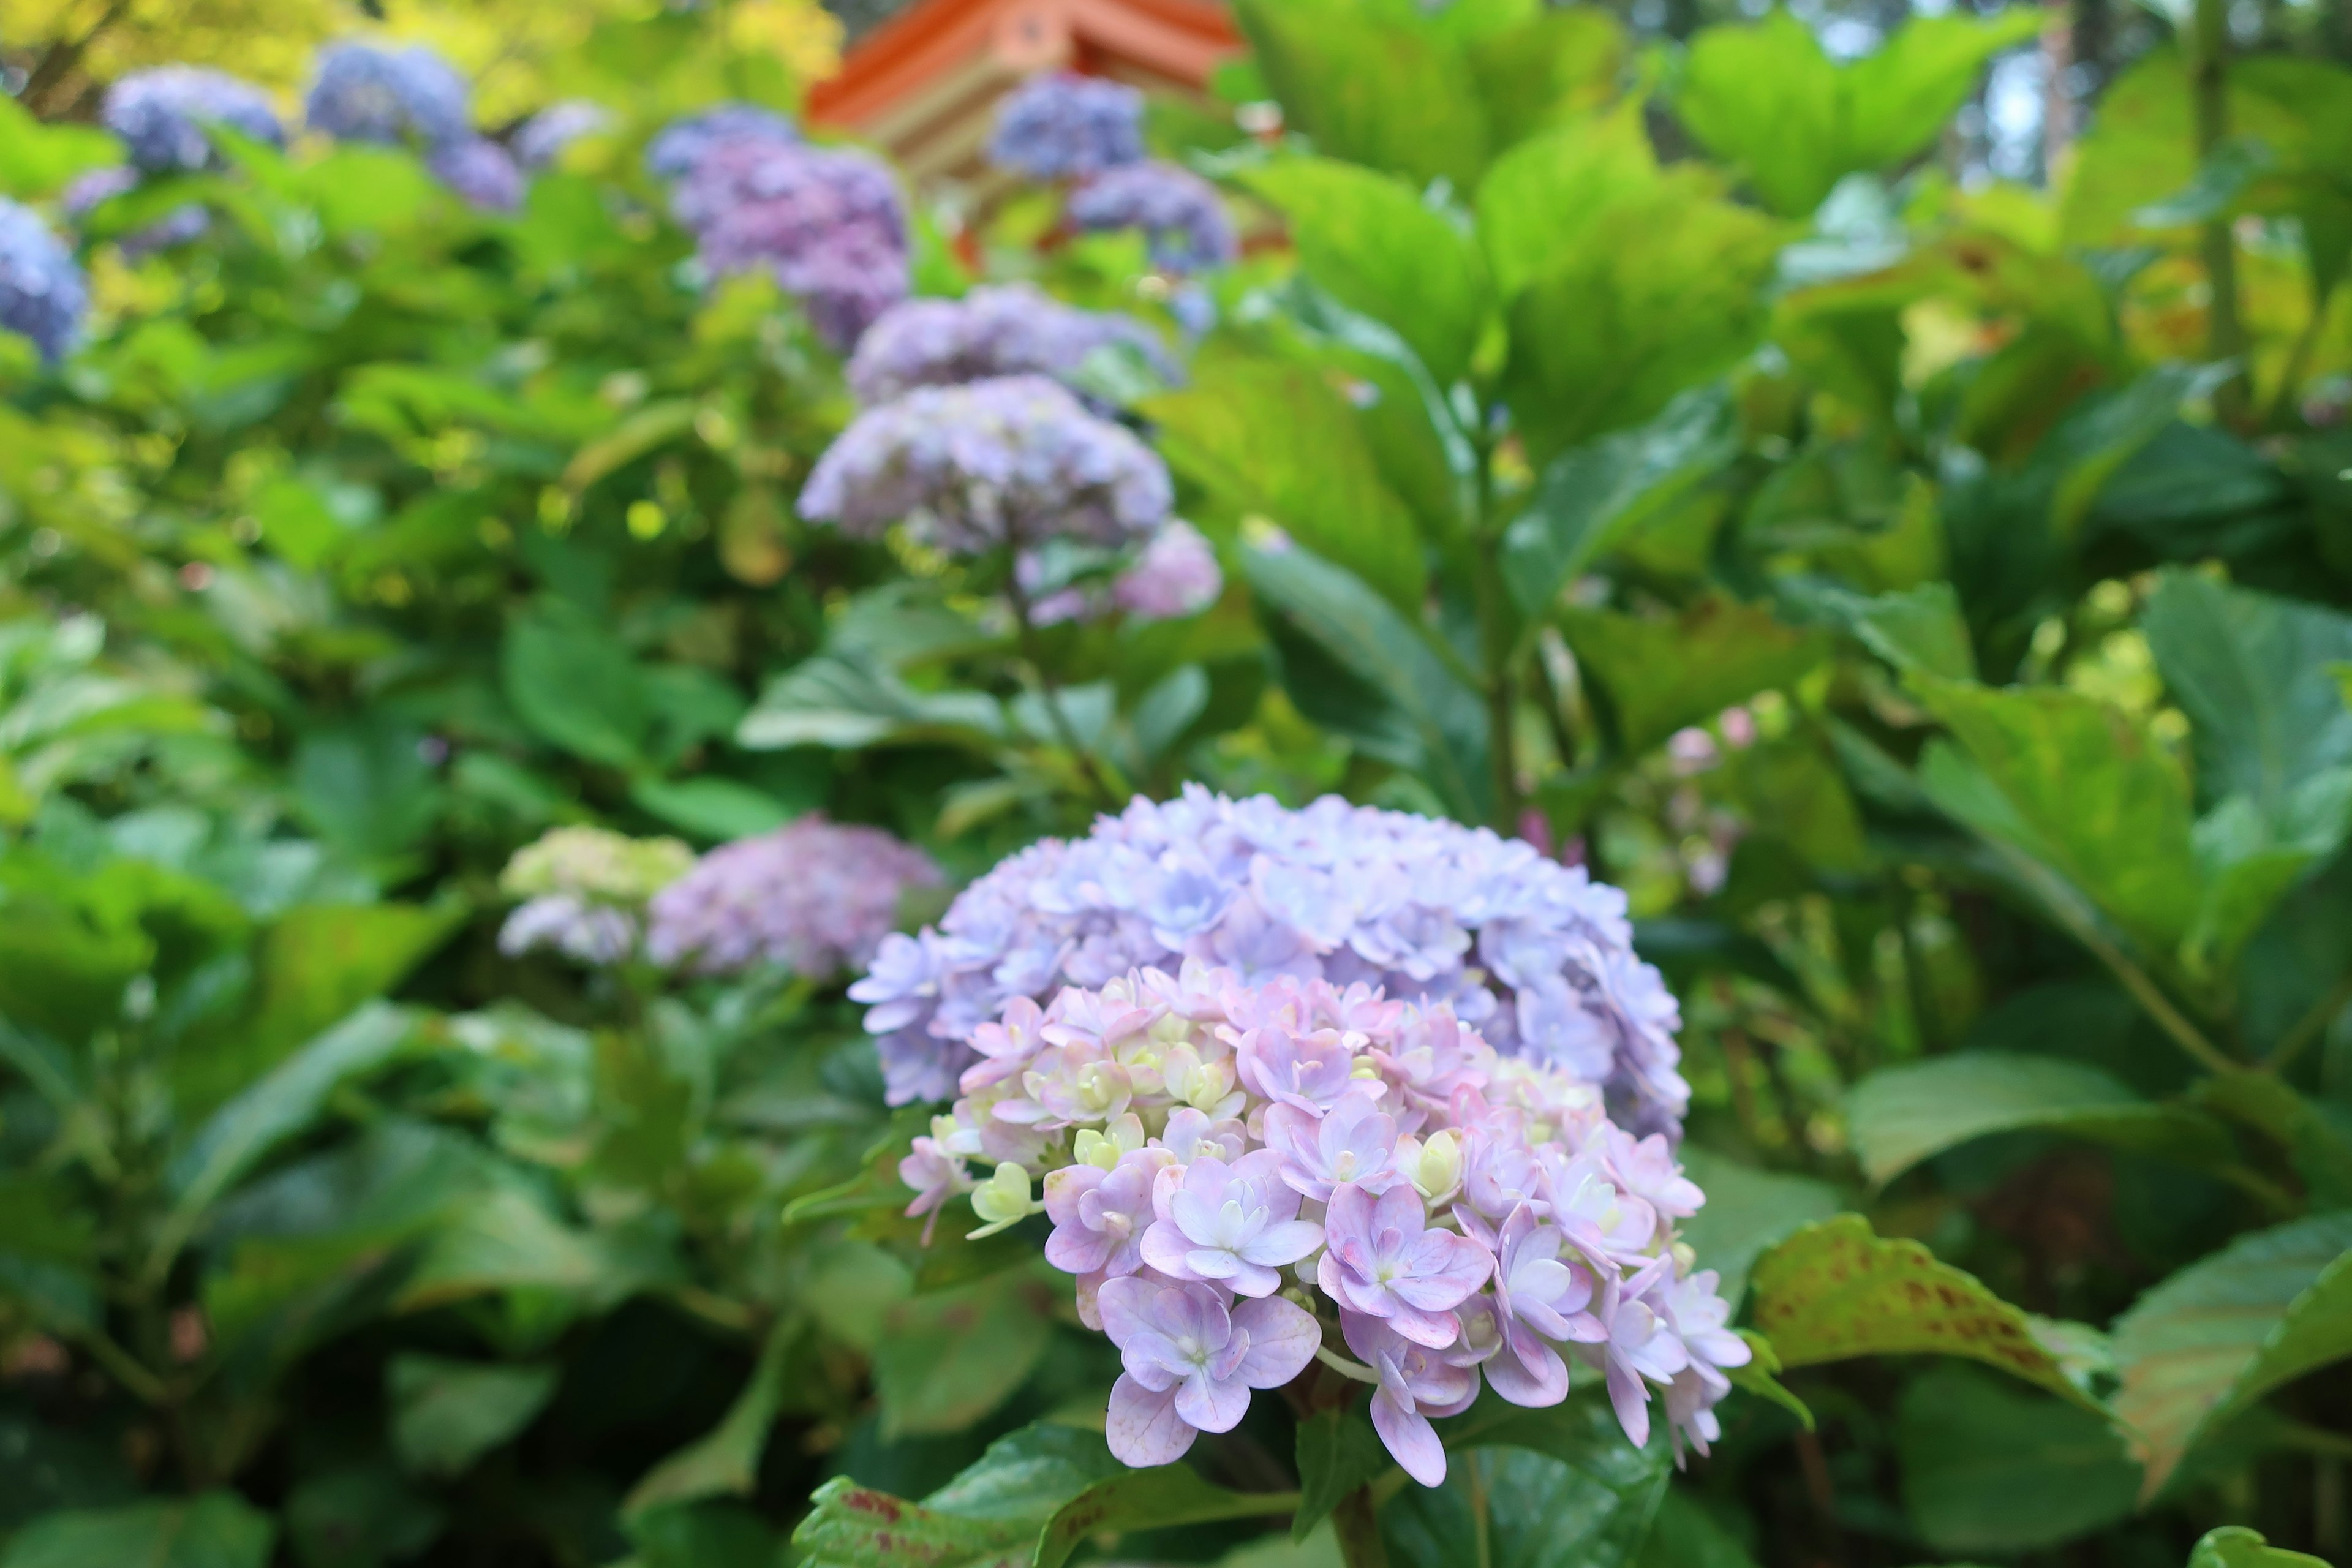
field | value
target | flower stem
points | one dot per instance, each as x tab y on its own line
1357	1524
1049	691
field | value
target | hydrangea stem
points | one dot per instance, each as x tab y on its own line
1049	692
1356	1522
2208	86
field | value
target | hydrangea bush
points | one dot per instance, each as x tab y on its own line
1182	216
1534	955
166	116
825	223
370	92
1245	1174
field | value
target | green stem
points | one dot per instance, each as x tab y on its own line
126	1369
2310	1026
2208	87
1049	691
1356	1522
1500	683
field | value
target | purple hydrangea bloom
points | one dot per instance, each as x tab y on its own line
1231	1224
1066	126
583	892
825	223
814	896
1009	329
1190	1361
1414	1383
673	154
480	171
1010	460
365	92
1176	575
1354	1144
542	139
42	293
166	116
1424	909
1100	1216
1385	1262
1182	218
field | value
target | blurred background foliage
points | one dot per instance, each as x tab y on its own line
1874	486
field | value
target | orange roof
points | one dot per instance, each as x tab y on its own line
924	84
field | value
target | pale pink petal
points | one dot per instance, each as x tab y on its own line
1143	1426
1528	1371
1411	1440
1211	1404
1125	1306
1286	1241
1282	1339
1631	1397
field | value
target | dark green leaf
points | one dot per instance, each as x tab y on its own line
710	808
725	1459
1987	1467
1337	1452
1147	1499
1558	1488
950	1357
215	1530
448	1414
575	685
359	1517
1662	675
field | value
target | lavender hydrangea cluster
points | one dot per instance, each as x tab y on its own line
583	892
815	896
166	116
1533	953
679	146
825	223
1176	574
1240	1174
1007	329
1181	216
42	293
1010	460
364	92
542	139
483	174
1061	125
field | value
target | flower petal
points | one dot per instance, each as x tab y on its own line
1411	1440
1283	1338
1143	1428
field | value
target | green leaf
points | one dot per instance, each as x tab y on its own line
725	1459
1147	1499
1833	1291
1662	675
1901	1115
1558	1488
2252	673
710	808
1592	497
1562	64
1370	89
1918	628
1761	1377
1987	1467
1028	1473
1375	246
1746	1210
1685	1535
2235	1546
2315	1133
949	1357
508	1240
847	701
851	1526
575	684
704	1535
1276	439
360	1516
1439	730
448	1414
38	159
1542	199
214	1530
1767	99
1337	1452
2069	782
2213	1338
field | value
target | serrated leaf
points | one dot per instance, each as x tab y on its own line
851	1526
1761	1377
1901	1115
2221	1333
1746	1210
949	1357
1834	1291
1556	1487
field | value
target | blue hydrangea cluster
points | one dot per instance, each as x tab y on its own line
1012	330
673	154
364	92
1066	126
1010	460
42	293
97	188
1182	218
166	116
826	224
480	171
542	139
1534	955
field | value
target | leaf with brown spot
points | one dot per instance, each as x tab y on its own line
1834	1291
1148	1500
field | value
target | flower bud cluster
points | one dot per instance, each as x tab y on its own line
363	92
1240	1174
1182	217
814	896
826	223
583	890
1010	460
42	293
1531	953
166	116
1061	125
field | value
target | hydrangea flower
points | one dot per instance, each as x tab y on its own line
1175	576
1182	218
583	890
95	189
1009	329
1245	1174
542	139
1532	954
814	896
1061	125
166	116
1010	460
42	293
825	223
673	154
480	171
364	92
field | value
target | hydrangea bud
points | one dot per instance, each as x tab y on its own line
815	897
42	293
1326	1204
365	92
1182	217
166	116
1061	125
